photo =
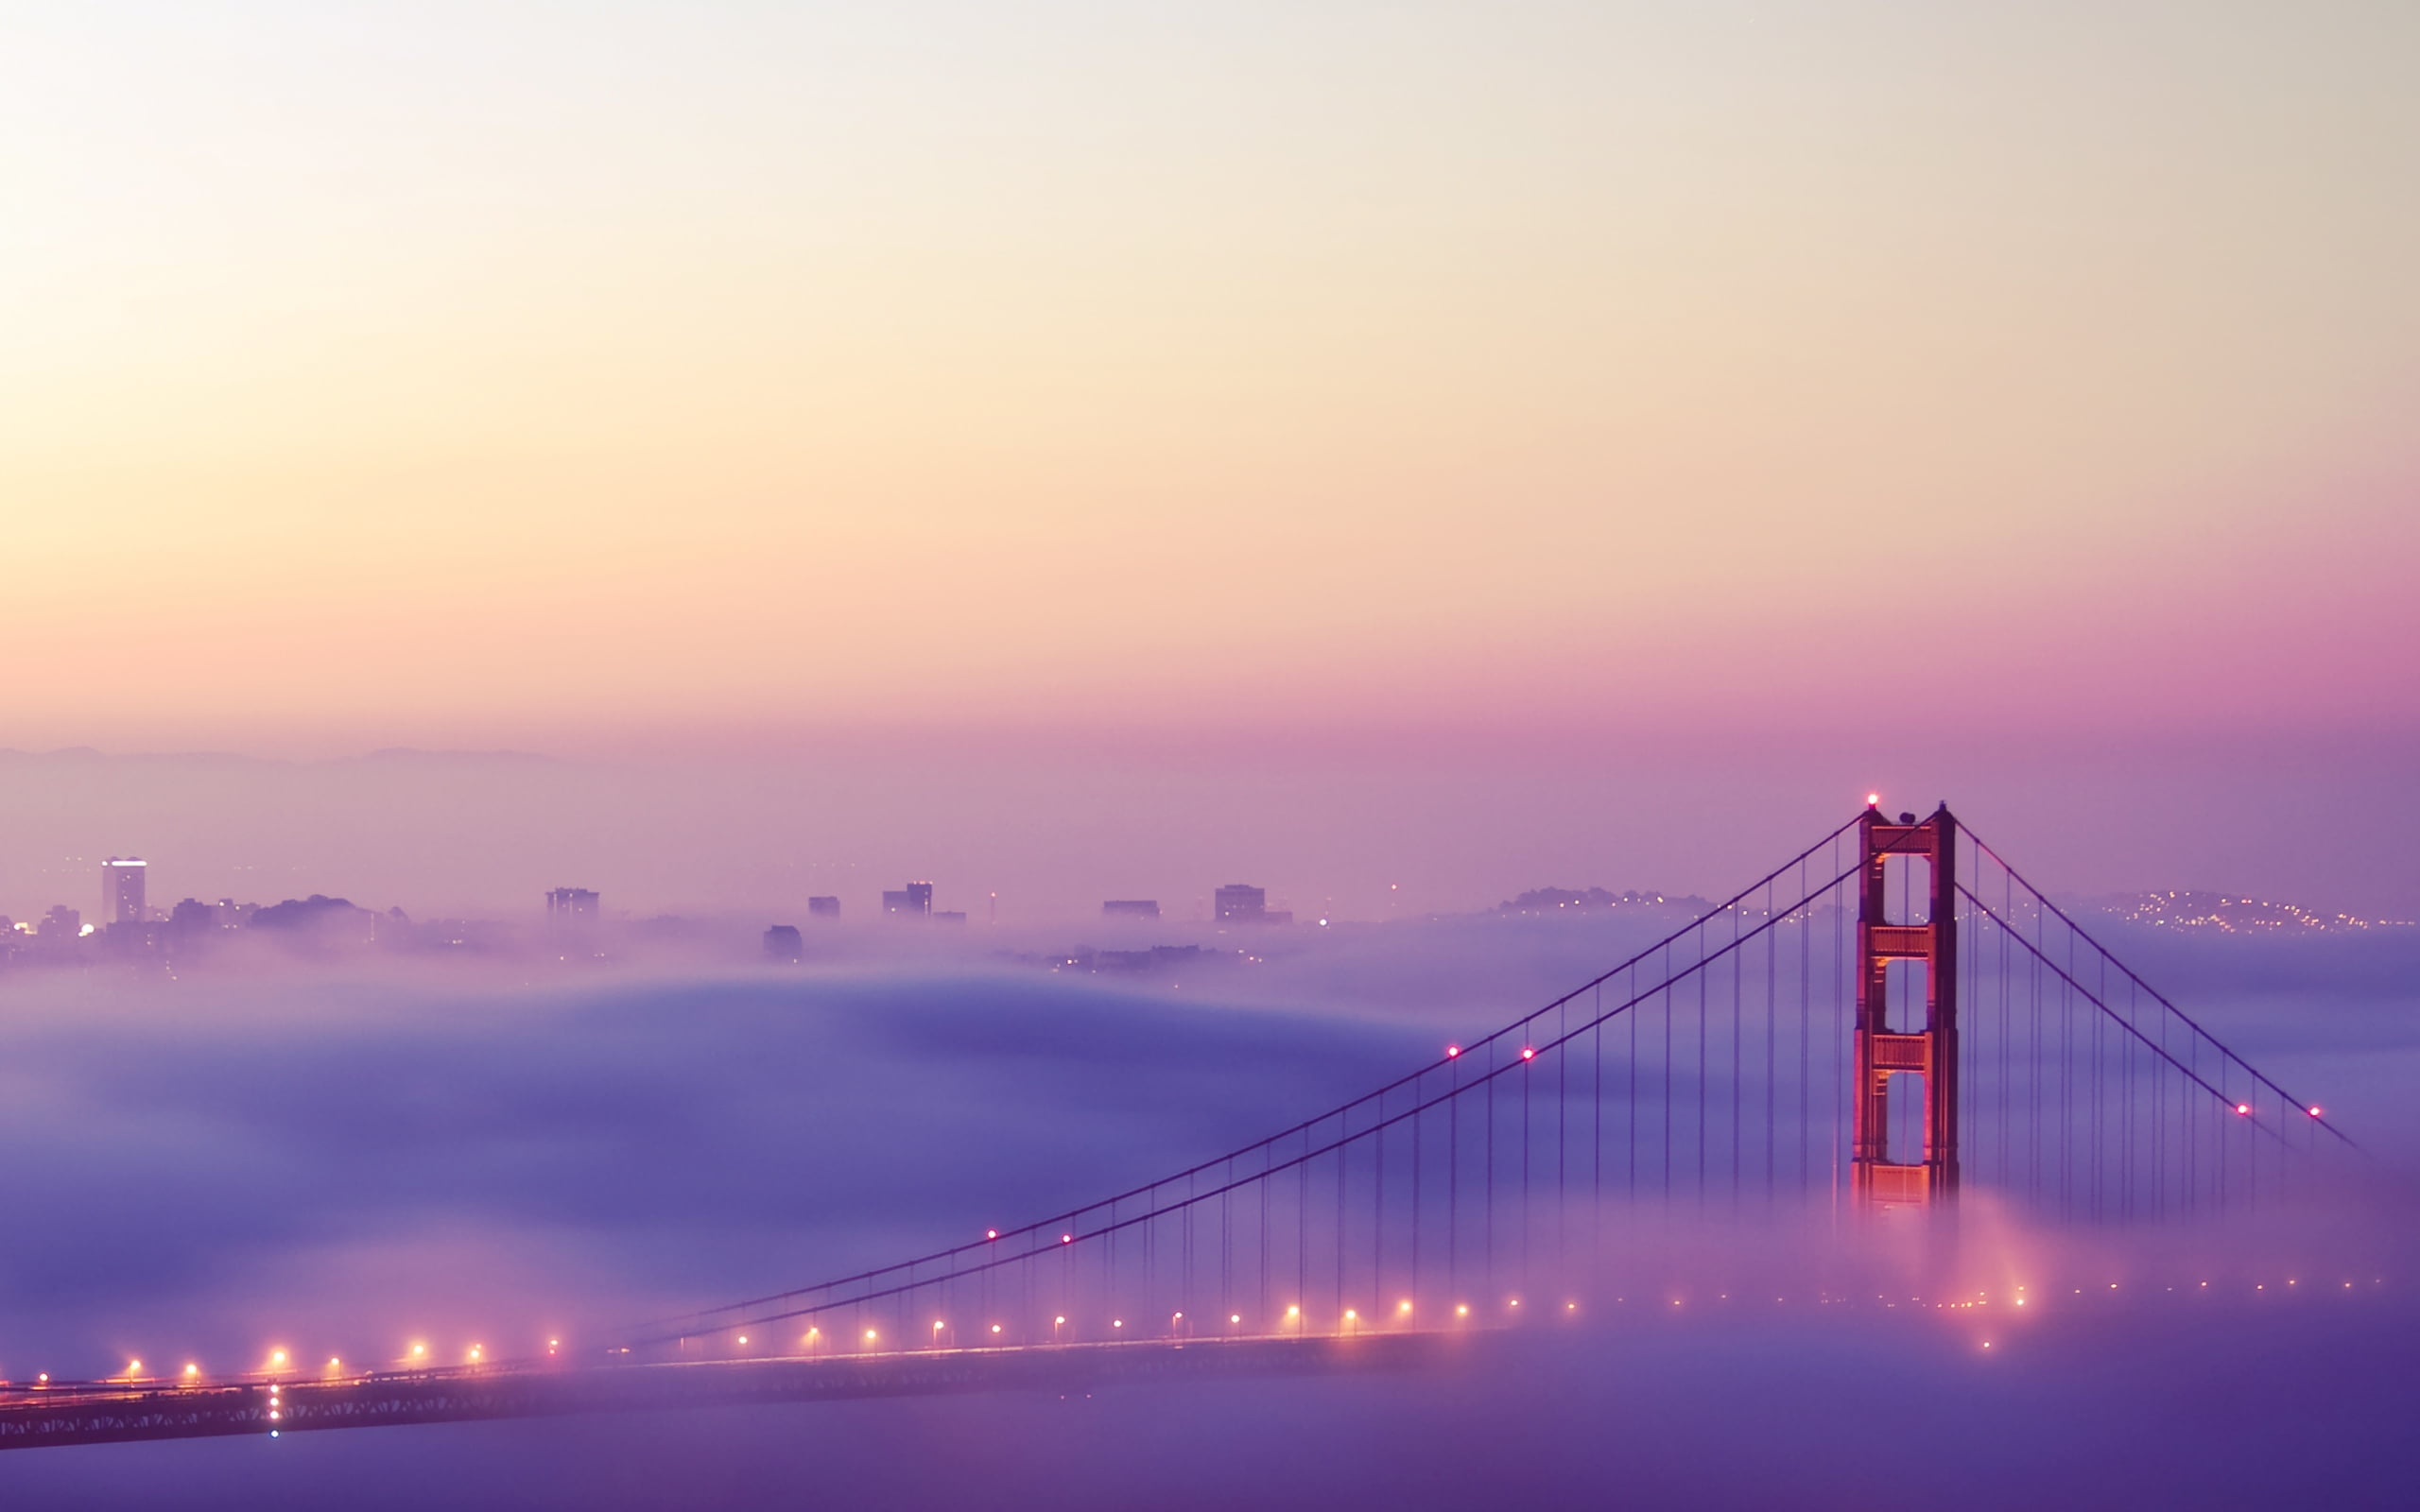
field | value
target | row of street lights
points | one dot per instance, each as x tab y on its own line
1349	1323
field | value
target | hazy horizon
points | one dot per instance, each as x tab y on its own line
1358	832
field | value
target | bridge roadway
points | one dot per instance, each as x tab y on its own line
102	1413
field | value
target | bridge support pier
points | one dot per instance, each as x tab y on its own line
1885	1051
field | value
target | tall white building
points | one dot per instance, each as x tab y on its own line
122	890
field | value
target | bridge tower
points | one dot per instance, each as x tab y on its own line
1930	1052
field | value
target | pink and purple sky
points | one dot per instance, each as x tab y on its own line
2011	403
1396	453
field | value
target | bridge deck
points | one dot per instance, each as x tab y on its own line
103	1414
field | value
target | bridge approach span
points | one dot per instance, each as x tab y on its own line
103	1414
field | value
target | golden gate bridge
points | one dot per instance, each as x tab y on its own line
1891	1020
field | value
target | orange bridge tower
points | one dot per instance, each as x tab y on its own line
1883	1174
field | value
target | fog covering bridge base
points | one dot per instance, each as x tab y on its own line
1831	1039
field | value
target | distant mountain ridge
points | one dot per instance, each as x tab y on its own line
1583	900
2188	910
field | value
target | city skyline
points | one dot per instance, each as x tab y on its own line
193	930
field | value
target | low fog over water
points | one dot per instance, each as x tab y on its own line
339	1161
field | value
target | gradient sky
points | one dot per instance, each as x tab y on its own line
561	376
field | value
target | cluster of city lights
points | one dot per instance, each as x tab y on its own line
2235	916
